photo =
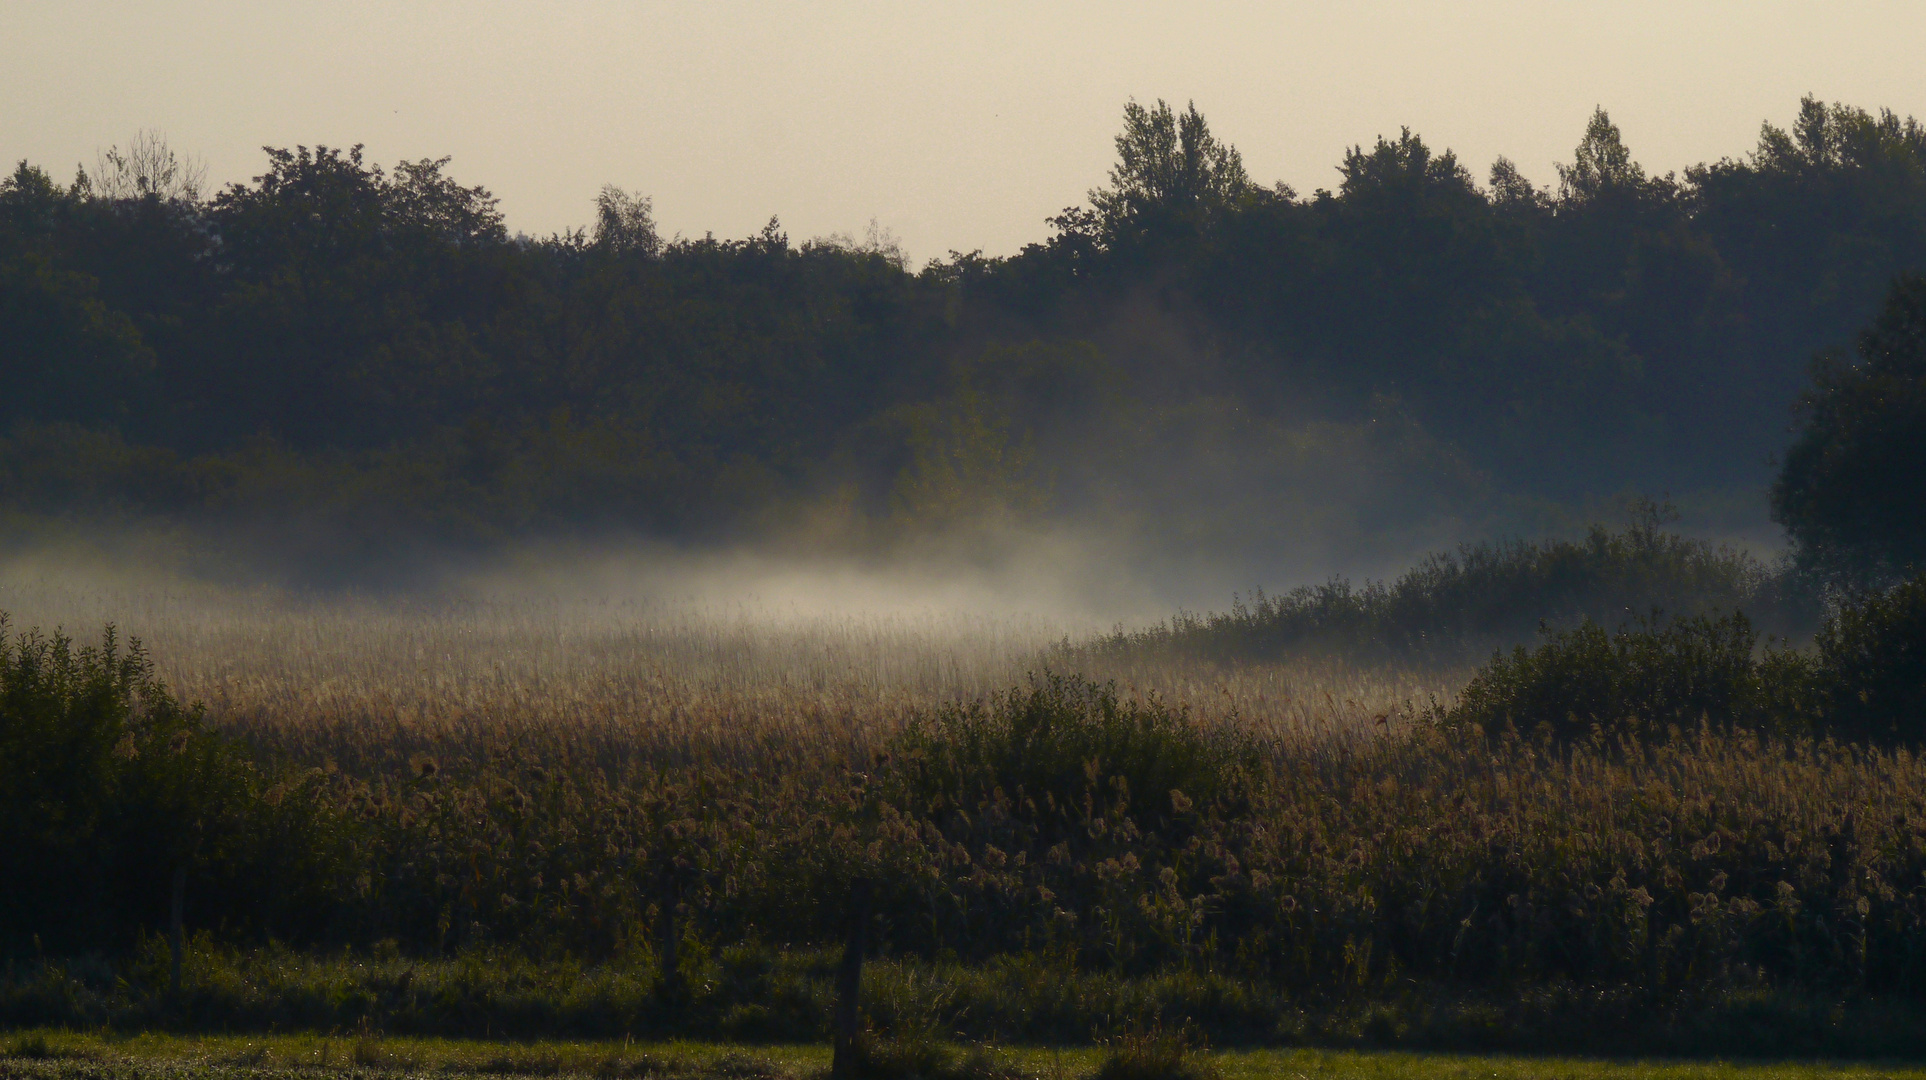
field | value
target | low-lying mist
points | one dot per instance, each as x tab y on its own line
652	651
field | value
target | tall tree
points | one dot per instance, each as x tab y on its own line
1171	174
1601	166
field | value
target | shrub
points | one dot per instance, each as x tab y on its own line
109	785
1060	735
1641	681
1871	666
920	1056
1455	606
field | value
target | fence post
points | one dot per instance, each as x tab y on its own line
849	982
176	938
668	937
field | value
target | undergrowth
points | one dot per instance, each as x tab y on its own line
1457	607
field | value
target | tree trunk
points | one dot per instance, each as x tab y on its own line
847	1021
176	936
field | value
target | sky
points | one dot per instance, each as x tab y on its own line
952	126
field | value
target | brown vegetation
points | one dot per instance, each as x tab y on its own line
572	785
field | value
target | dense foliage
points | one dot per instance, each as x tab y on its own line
1871	681
335	344
108	785
1852	494
1649	681
1863	680
1457	607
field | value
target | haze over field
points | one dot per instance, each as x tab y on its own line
1428	274
1381	524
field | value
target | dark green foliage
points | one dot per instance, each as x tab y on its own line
65	355
1173	180
1852	494
338	349
1871	666
108	785
1457	606
1656	677
1864	679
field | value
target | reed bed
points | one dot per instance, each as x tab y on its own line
689	806
369	681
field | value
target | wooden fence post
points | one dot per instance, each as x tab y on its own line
847	1021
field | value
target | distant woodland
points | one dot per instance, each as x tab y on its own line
367	354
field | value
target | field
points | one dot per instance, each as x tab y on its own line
602	810
672	677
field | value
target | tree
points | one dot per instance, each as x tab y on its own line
423	200
1170	171
149	168
1852	493
1511	191
1405	167
1831	137
64	355
625	222
1601	166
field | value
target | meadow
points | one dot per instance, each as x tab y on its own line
531	813
644	669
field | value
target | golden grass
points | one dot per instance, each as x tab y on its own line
355	677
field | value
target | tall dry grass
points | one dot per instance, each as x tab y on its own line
369	681
569	779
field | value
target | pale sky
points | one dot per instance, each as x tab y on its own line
953	125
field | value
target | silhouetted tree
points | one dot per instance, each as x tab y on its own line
1172	176
1852	493
148	168
625	222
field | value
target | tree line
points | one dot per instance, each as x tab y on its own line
335	343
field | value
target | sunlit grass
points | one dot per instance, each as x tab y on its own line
368	681
321	1054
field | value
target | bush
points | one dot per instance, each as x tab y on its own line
1864	681
108	786
1455	606
1641	681
1059	736
1871	666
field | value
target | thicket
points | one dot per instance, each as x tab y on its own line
337	348
1054	835
1647	681
1459	607
1863	680
113	788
